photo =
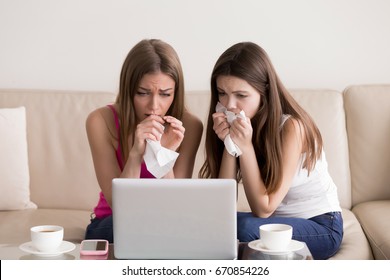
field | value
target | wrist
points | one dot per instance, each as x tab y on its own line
247	150
135	157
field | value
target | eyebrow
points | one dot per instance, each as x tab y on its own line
236	91
160	90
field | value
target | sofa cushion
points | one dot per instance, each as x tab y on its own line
368	126
14	173
355	245
197	102
372	216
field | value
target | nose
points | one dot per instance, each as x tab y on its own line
154	104
231	103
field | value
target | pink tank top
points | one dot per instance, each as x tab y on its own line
102	209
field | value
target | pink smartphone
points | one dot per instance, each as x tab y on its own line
94	247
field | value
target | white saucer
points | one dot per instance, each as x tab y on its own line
64	248
259	246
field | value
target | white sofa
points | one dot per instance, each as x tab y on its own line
355	125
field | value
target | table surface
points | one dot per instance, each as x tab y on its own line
13	252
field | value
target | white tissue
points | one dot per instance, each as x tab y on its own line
230	146
159	160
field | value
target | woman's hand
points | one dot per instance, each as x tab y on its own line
150	128
173	134
221	126
241	133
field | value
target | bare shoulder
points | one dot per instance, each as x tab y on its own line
294	130
193	133
101	120
192	122
293	125
96	117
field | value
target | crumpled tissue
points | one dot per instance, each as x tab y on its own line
230	146
159	160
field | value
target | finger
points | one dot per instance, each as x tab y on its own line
221	126
156	118
146	132
151	125
238	124
179	128
237	130
241	129
219	117
171	119
179	133
148	135
222	133
152	137
173	132
174	123
177	125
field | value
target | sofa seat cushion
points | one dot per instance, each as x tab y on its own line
15	225
355	245
376	224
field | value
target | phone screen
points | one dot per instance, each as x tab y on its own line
94	246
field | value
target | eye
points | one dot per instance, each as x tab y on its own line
165	94
141	93
241	95
221	93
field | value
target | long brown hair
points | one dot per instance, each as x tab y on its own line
148	56
251	63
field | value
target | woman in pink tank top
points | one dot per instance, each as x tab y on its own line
149	105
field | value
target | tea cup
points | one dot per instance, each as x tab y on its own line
276	237
47	238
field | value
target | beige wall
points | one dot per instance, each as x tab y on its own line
72	44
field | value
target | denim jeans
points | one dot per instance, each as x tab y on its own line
322	234
100	229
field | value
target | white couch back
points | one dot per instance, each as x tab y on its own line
61	169
368	125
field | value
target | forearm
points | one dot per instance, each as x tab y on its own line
228	166
132	168
255	190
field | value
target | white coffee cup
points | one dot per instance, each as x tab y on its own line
276	236
47	238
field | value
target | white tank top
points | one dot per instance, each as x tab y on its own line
311	195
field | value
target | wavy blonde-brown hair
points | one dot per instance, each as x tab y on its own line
146	57
250	62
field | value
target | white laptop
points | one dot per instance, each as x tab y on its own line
174	218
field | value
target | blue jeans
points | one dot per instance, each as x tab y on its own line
322	234
100	229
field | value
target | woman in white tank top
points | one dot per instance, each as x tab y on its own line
280	157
